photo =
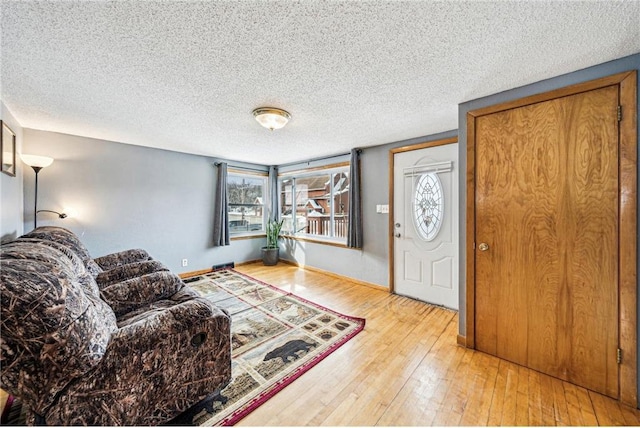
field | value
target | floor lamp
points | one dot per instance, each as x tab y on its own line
37	163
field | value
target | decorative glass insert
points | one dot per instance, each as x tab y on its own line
428	206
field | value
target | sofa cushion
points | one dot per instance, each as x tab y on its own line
76	262
128	271
137	292
122	258
23	248
69	239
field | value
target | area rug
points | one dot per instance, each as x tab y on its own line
276	337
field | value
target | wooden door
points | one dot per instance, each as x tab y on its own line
546	233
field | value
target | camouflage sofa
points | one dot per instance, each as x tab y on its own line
117	340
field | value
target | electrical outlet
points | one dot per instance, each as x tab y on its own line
185	262
382	209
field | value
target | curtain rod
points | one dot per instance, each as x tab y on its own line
231	165
246	168
317	159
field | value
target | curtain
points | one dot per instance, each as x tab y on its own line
221	209
274	207
354	238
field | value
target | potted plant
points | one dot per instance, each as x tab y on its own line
271	253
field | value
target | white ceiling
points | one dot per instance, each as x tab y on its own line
185	75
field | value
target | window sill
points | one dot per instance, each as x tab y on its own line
315	240
241	236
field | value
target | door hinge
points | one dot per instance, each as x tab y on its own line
619	113
619	356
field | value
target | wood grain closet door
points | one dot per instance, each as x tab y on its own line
547	207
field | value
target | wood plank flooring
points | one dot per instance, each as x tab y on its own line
405	368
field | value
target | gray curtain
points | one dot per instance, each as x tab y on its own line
221	209
273	189
354	238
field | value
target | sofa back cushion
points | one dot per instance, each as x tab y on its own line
71	260
53	330
68	239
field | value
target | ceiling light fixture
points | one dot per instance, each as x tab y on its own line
271	117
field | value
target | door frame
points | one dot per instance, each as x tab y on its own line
392	153
627	197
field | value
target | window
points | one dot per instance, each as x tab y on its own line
316	204
246	202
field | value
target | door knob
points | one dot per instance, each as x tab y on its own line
483	246
397	224
397	235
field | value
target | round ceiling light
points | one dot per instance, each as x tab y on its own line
271	117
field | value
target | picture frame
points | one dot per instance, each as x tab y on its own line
8	149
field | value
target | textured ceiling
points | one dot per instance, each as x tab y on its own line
185	75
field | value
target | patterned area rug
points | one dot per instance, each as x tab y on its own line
276	337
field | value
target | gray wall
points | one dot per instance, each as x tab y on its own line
11	187
624	64
131	196
371	264
127	196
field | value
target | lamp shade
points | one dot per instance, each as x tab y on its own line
36	161
271	117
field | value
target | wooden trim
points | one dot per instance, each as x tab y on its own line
470	259
205	271
392	153
461	340
185	275
628	241
248	262
319	241
334	275
289	262
315	168
557	93
425	145
392	261
628	199
241	237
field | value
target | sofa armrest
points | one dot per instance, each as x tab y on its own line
136	292
111	261
128	271
168	361
185	293
150	331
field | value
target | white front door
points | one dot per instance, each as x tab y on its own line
425	225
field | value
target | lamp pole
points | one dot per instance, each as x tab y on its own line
37	163
35	203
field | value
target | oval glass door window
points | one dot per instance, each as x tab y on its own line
428	206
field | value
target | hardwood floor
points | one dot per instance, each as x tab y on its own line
405	368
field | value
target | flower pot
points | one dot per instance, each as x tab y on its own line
270	256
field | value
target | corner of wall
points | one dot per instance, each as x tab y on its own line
11	188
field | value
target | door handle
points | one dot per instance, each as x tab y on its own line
397	235
483	246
